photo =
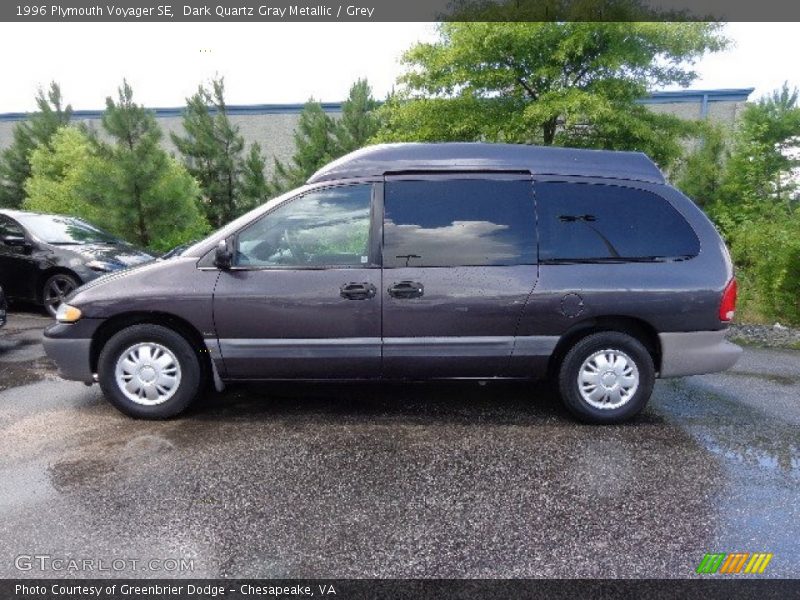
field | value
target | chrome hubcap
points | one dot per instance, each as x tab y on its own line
57	290
608	379
148	373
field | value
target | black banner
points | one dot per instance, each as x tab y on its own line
396	10
439	589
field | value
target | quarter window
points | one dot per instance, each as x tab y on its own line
329	227
465	222
580	221
9	228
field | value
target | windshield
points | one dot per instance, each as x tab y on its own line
54	229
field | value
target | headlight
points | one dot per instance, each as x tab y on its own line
101	265
67	313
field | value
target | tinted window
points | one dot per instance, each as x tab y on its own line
325	228
9	228
64	230
584	221
467	222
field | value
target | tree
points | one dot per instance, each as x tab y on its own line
700	176
151	197
359	121
315	145
756	206
565	83
61	176
761	170
212	150
254	188
15	165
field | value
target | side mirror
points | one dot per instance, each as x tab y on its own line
18	242
223	256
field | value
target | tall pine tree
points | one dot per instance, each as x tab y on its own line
319	138
315	145
359	121
15	165
212	149
150	195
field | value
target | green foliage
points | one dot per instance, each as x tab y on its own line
15	166
212	149
254	189
767	254
61	176
151	198
564	83
747	181
761	169
700	174
359	122
315	146
319	139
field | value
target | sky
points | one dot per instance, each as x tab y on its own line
287	62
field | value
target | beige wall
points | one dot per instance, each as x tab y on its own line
273	131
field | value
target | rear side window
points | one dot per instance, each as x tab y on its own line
606	222
464	222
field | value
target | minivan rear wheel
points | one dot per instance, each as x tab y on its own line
606	377
149	371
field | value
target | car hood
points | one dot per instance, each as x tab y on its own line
124	255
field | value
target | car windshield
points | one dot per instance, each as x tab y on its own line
54	229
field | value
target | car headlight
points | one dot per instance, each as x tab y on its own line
67	313
102	265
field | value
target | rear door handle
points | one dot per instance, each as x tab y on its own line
358	291
406	289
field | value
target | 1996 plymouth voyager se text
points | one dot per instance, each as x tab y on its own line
425	261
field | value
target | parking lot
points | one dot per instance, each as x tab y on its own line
394	480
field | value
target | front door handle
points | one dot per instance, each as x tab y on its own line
406	289
358	291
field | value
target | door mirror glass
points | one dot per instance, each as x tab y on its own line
17	242
324	228
223	256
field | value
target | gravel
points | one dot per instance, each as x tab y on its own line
768	336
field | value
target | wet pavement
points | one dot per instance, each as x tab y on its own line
435	480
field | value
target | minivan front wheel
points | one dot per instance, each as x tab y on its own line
607	377
149	371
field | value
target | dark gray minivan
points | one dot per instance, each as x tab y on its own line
425	261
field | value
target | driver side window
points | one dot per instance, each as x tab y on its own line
328	227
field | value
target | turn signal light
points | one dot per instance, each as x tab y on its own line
67	314
727	308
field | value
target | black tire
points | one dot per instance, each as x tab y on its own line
55	289
626	347
190	372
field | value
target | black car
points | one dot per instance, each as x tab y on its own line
3	307
425	261
43	258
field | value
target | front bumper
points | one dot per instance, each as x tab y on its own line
696	352
69	346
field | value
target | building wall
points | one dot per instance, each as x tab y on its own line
272	126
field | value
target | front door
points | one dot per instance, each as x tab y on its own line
459	256
303	297
18	269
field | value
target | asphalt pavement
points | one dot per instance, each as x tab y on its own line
394	480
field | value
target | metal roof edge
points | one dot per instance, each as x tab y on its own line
660	97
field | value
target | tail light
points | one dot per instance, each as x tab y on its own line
727	307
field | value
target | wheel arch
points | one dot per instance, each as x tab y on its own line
637	328
47	274
117	323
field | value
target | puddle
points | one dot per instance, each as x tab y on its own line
17	374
